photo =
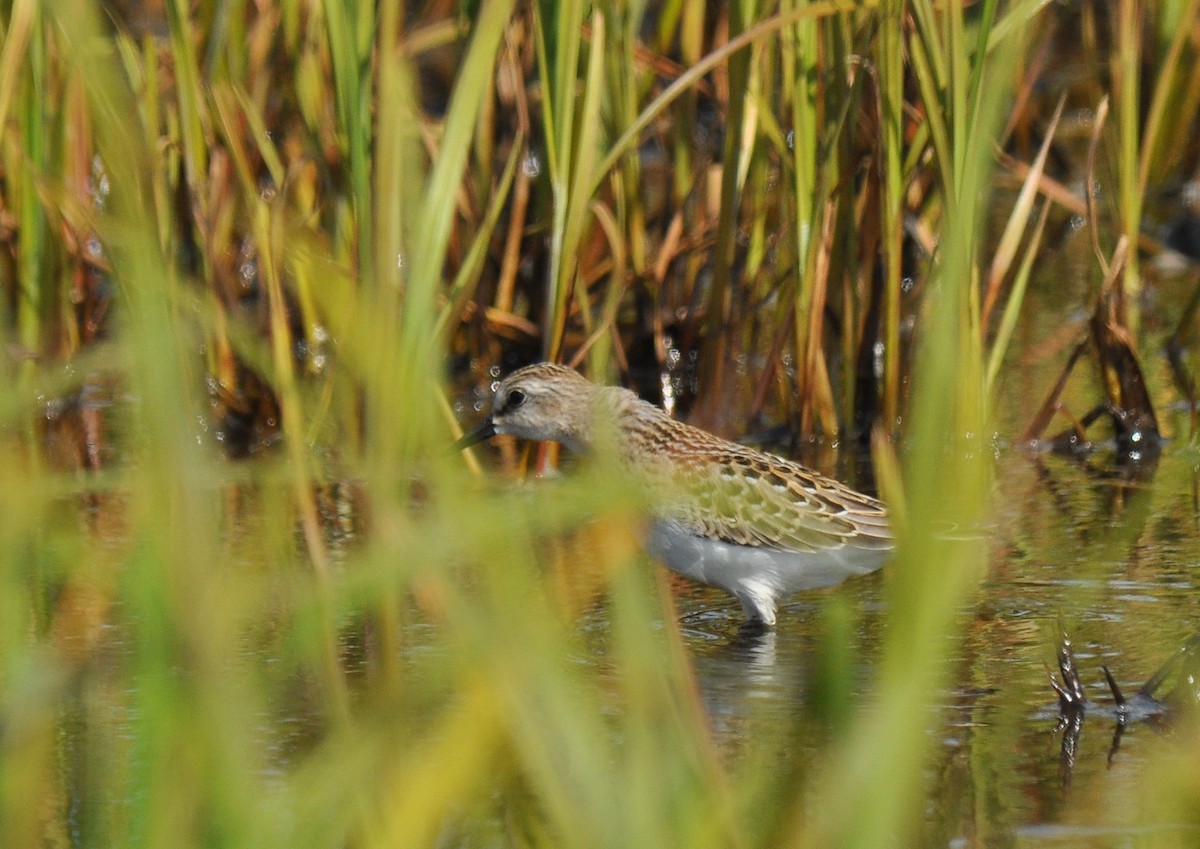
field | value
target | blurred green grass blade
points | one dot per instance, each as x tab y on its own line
23	19
1006	247
350	51
1164	90
190	750
468	273
927	18
373	351
983	22
891	57
262	137
625	86
576	195
559	40
35	283
549	111
229	111
801	55
922	46
1016	17
959	110
677	784
1012	309
723	295
415	804
803	52
1127	92
192	114
565	49
432	230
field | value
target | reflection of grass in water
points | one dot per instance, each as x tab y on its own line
147	666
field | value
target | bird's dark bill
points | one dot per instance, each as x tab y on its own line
486	429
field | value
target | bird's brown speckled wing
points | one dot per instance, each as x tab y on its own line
733	493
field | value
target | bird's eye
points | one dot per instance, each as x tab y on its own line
515	399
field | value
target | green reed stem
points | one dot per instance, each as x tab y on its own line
350	37
1127	89
1012	309
557	31
36	280
1154	146
891	95
192	114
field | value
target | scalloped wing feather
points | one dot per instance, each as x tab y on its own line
738	495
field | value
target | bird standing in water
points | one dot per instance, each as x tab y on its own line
755	525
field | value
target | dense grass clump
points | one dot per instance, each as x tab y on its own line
250	598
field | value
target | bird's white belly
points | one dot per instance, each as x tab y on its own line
757	576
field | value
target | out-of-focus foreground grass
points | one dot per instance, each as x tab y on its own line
334	200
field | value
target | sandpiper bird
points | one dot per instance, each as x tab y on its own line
755	525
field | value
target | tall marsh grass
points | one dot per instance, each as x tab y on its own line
282	224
